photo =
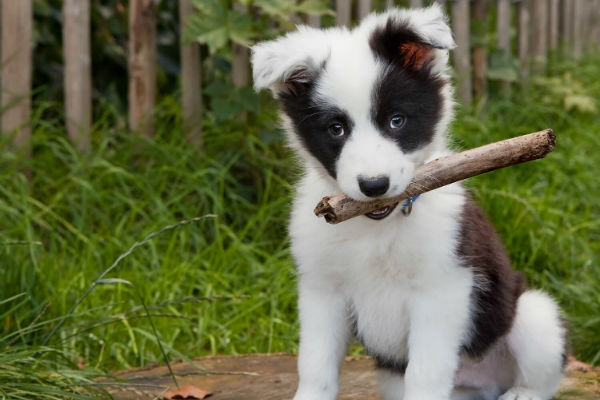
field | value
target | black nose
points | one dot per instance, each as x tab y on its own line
375	186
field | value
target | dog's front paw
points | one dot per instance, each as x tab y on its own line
519	393
314	395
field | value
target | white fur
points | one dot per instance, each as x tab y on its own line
401	277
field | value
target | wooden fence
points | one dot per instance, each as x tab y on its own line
541	27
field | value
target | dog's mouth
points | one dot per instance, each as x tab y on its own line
382	212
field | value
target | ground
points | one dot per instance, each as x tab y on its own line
254	377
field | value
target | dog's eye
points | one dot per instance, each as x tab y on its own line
397	121
336	129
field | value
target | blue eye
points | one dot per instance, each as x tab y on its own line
336	129
397	121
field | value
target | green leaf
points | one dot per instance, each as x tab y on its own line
314	7
215	24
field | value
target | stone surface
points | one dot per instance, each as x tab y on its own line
253	377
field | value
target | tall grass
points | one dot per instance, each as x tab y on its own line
227	285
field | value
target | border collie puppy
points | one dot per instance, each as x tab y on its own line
432	296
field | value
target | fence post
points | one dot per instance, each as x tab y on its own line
553	21
343	10
566	23
462	52
577	28
389	4
364	8
191	79
240	63
503	27
416	3
479	49
78	71
539	22
524	59
17	22
142	65
314	21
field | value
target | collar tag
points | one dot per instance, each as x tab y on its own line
408	205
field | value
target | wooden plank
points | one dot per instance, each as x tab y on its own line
364	8
191	79
479	50
416	3
78	71
596	32
577	28
142	65
503	29
314	21
523	40
343	12
553	24
566	23
17	21
462	52
240	62
274	377
539	30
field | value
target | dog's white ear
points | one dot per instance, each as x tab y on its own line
290	63
431	24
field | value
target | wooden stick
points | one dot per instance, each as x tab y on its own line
446	170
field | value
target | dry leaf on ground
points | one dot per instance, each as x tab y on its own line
187	392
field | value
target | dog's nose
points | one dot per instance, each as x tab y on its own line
375	186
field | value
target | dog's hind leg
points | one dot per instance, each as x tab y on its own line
537	343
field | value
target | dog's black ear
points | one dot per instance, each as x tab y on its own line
290	64
412	38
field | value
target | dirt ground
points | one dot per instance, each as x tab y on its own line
273	377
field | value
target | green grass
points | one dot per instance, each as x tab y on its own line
227	284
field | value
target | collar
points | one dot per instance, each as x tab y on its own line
408	204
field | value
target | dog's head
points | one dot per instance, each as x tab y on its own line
368	105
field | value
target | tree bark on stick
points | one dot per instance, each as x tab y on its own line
78	71
446	170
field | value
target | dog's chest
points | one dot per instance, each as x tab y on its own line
380	316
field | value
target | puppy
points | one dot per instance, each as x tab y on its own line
432	296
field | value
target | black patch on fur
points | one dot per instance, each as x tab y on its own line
312	119
497	285
398	366
413	92
566	348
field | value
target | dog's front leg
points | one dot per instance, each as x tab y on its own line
437	327
324	333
